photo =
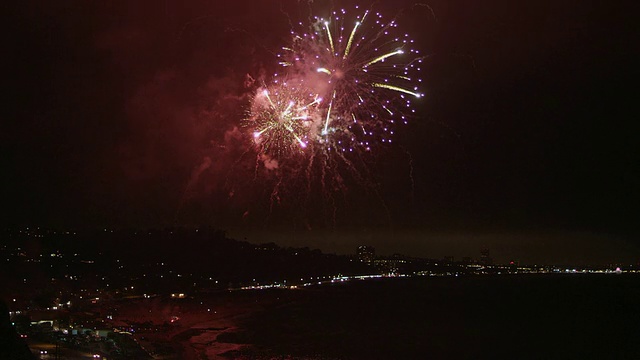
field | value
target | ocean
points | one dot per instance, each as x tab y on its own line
552	316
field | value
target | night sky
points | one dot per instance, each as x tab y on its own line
126	114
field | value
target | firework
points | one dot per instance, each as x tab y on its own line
365	66
282	119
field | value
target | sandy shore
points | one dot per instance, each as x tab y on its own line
195	336
200	341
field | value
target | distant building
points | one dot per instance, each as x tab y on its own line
366	253
466	260
485	257
448	259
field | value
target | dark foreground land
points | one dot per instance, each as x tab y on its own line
498	317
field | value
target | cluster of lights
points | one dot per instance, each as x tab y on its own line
310	282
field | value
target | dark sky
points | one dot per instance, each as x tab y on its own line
121	113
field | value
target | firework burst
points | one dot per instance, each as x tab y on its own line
282	119
348	80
